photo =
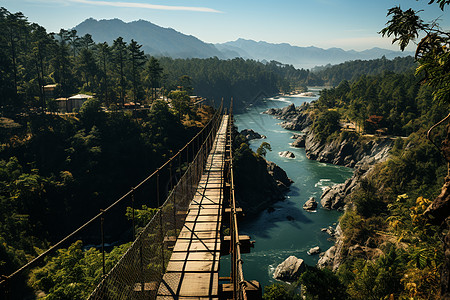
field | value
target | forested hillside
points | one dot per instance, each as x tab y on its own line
120	72
391	245
394	239
58	170
352	70
396	103
242	80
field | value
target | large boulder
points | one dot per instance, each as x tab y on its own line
296	122
333	257
287	154
286	111
327	259
290	269
279	175
310	205
314	250
250	134
299	142
271	111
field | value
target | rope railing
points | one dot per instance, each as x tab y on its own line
143	264
237	273
139	272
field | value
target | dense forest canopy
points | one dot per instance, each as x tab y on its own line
121	72
395	102
395	240
57	168
352	70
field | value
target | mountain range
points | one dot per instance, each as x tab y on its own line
160	41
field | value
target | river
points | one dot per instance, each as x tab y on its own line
277	237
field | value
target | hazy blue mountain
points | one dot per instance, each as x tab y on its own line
303	57
155	40
161	41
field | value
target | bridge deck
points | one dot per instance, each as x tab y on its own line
193	269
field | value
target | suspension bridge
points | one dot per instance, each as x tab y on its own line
177	254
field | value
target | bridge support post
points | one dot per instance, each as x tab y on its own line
102	220
163	265
132	214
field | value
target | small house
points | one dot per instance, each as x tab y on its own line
72	103
49	90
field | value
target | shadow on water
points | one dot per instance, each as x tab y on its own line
294	191
267	220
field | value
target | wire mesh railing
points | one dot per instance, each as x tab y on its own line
139	271
237	272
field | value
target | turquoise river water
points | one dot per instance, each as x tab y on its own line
276	237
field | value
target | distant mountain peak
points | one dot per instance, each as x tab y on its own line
160	41
156	40
303	57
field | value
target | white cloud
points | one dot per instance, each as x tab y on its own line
146	5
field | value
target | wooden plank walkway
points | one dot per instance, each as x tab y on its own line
193	269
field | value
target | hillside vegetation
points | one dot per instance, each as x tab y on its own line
395	238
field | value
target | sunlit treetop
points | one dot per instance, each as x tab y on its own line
432	51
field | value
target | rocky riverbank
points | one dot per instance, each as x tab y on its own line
259	182
348	149
294	118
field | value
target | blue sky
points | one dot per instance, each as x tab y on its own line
347	24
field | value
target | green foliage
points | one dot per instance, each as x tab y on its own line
73	273
65	170
326	123
322	284
141	216
352	70
263	148
397	100
406	27
137	60
417	169
368	201
181	102
91	113
153	76
242	80
280	291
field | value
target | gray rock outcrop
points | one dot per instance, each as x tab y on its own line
286	154
333	256
250	134
295	118
290	269
310	205
313	250
279	175
299	142
346	151
334	197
